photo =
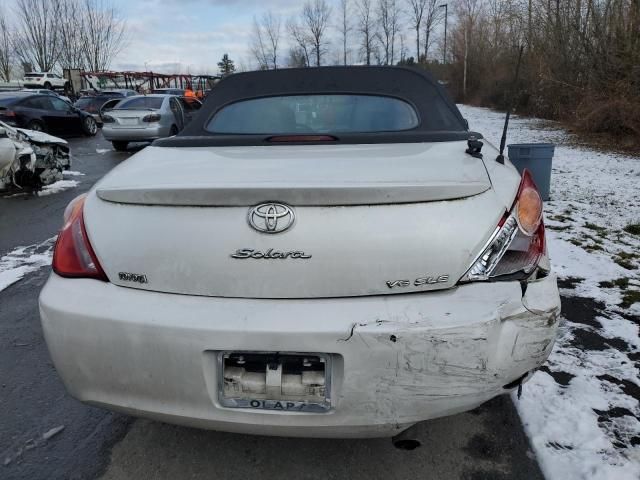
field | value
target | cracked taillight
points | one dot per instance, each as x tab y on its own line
517	244
73	256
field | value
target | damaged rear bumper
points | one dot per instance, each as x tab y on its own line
396	359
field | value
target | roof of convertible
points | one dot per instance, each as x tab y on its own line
414	86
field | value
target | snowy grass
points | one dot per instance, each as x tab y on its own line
582	414
23	260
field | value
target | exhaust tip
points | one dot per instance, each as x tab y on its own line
407	444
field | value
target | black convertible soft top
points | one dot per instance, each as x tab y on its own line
415	86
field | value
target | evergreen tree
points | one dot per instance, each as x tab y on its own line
226	66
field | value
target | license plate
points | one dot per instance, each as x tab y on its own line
128	121
296	382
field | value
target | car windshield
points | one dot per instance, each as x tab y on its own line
138	103
304	114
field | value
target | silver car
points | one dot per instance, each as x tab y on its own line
143	118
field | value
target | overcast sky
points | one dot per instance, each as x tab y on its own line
192	34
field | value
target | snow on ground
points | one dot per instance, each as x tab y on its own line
58	186
22	260
582	411
72	173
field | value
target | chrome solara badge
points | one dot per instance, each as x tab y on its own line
271	217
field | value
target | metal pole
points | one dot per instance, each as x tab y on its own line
446	17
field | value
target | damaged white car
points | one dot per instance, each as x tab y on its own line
29	159
324	252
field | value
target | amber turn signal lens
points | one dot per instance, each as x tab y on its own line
529	210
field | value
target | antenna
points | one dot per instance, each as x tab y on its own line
503	140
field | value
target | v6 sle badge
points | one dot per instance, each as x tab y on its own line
418	282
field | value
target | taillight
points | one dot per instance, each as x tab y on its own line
73	256
152	117
7	113
517	244
107	119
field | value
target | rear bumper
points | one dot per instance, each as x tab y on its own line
134	134
398	359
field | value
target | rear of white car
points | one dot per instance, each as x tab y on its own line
289	282
47	80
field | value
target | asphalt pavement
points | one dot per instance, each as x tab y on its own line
45	434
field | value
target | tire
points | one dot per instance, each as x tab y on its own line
36	126
47	85
89	126
120	146
173	131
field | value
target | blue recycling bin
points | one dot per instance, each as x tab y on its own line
537	158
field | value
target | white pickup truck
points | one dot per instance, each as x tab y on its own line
47	80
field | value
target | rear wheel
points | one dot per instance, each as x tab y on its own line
89	126
47	85
120	146
35	125
173	131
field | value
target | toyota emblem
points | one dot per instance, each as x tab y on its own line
271	217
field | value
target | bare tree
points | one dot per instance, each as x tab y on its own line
265	40
37	40
258	45
315	15
344	27
468	12
104	33
297	58
71	27
416	12
388	20
6	48
366	28
300	38
431	18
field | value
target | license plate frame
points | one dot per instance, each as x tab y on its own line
260	402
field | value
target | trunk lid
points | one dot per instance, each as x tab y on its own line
369	219
129	118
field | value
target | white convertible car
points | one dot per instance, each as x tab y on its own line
323	252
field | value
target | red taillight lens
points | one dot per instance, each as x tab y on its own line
517	244
73	256
7	113
152	117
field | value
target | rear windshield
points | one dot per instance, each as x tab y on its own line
5	101
85	102
141	103
305	114
34	75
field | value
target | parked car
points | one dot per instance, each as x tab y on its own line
125	92
30	160
46	80
346	274
191	106
170	91
94	104
45	113
53	93
143	118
